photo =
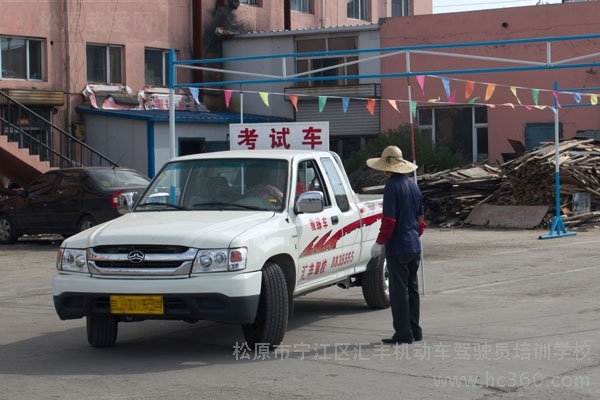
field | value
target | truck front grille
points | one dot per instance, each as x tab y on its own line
141	260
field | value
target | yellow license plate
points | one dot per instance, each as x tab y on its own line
136	305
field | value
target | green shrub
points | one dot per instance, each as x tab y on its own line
428	158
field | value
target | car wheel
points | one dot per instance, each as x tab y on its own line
102	331
86	222
376	285
7	232
271	319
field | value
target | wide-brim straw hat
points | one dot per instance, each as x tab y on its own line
391	160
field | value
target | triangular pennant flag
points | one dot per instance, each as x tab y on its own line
513	89
452	98
491	105
528	108
433	100
294	100
322	102
555	94
593	99
541	107
394	104
535	93
474	99
469	87
577	97
195	92
345	102
489	91
413	108
446	83
371	106
228	94
511	105
264	97
421	81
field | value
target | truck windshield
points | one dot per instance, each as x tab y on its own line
232	184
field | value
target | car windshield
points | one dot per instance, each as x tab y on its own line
111	179
232	184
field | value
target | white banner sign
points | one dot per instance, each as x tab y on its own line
280	135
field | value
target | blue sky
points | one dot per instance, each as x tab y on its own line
446	6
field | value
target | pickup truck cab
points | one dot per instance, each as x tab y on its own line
231	237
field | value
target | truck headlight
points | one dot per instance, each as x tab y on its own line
72	260
220	260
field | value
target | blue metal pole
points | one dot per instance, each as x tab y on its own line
558	228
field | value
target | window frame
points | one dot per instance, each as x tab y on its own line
426	122
303	6
252	3
108	68
360	7
306	64
164	68
29	58
400	8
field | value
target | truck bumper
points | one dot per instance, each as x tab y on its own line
228	299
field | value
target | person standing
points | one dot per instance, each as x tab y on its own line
402	223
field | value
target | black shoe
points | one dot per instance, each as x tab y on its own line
418	338
396	341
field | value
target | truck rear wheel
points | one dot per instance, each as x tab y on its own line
271	319
101	331
375	285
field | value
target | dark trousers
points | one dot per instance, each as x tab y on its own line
404	296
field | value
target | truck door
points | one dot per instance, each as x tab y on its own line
319	233
349	218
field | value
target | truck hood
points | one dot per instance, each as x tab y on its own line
201	229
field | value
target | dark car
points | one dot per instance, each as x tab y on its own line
67	201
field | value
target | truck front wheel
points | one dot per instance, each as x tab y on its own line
375	285
101	331
271	319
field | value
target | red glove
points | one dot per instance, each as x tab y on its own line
422	226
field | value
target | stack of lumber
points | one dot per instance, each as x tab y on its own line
450	195
531	179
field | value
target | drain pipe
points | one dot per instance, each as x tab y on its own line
68	65
322	13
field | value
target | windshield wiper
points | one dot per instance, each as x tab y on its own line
168	205
220	203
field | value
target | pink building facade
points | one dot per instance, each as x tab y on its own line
445	111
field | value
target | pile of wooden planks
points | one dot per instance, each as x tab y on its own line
531	178
450	195
527	180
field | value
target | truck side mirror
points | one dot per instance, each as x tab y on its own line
125	202
310	202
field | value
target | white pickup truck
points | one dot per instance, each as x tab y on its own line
228	236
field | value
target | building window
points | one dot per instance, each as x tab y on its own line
305	6
463	130
327	66
400	8
21	58
357	9
104	63
156	63
251	2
